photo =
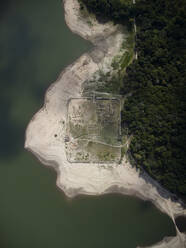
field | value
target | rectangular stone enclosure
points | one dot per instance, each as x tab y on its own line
93	130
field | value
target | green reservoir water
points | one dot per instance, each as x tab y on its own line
35	45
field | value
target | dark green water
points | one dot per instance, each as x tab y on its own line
35	45
181	223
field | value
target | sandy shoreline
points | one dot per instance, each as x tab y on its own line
91	179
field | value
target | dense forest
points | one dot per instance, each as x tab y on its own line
155	113
117	10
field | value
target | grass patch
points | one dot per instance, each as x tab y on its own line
93	128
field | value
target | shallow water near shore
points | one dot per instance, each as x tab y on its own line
35	46
181	223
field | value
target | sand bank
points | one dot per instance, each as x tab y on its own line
46	131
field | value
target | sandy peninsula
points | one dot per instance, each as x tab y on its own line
45	134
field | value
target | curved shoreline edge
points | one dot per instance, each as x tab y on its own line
91	179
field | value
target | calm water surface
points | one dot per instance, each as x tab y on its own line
35	45
181	223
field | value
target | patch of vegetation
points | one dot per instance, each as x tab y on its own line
112	81
116	10
86	14
121	61
93	130
103	83
103	153
77	130
128	56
